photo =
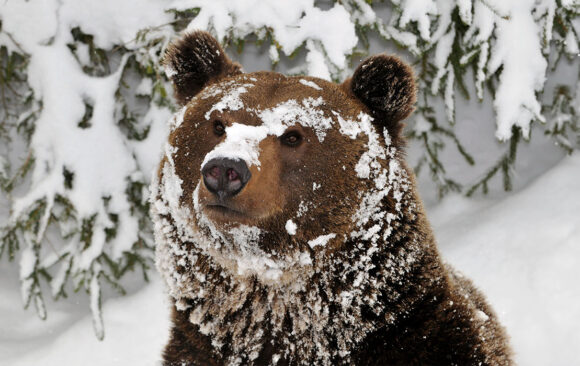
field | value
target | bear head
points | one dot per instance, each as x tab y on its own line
281	184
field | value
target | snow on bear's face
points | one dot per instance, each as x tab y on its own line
266	174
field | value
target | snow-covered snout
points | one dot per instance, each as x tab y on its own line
240	175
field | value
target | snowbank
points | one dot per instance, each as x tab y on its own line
137	327
523	253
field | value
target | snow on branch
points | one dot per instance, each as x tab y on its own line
83	216
507	43
329	35
523	69
516	57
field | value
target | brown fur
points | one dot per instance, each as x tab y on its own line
408	307
196	60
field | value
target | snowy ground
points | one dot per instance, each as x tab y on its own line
522	250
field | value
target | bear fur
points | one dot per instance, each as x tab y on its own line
321	253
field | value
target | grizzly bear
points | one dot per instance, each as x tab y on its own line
288	226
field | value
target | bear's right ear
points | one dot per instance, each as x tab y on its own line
386	85
194	61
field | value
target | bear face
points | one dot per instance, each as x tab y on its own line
282	143
278	130
287	225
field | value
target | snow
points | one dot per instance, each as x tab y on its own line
520	250
571	43
27	262
274	54
241	143
231	100
368	161
524	69
100	157
480	75
481	316
144	87
523	253
330	33
315	62
136	328
418	11
291	227
309	83
465	10
322	240
111	22
495	31
95	296
421	125
290	112
442	52
449	95
407	39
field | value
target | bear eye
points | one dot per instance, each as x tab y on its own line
292	138
218	128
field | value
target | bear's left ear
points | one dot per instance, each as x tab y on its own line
386	85
195	61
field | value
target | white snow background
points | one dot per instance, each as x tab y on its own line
522	249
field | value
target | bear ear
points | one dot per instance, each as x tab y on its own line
194	61
386	85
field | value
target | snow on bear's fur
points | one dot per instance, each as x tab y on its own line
288	227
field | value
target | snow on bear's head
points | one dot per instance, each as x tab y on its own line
266	175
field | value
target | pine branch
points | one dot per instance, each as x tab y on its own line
505	165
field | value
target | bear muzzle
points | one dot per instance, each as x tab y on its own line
225	178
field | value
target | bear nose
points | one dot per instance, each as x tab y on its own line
225	177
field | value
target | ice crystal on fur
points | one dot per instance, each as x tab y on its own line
305	112
322	240
309	83
230	100
291	227
241	143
